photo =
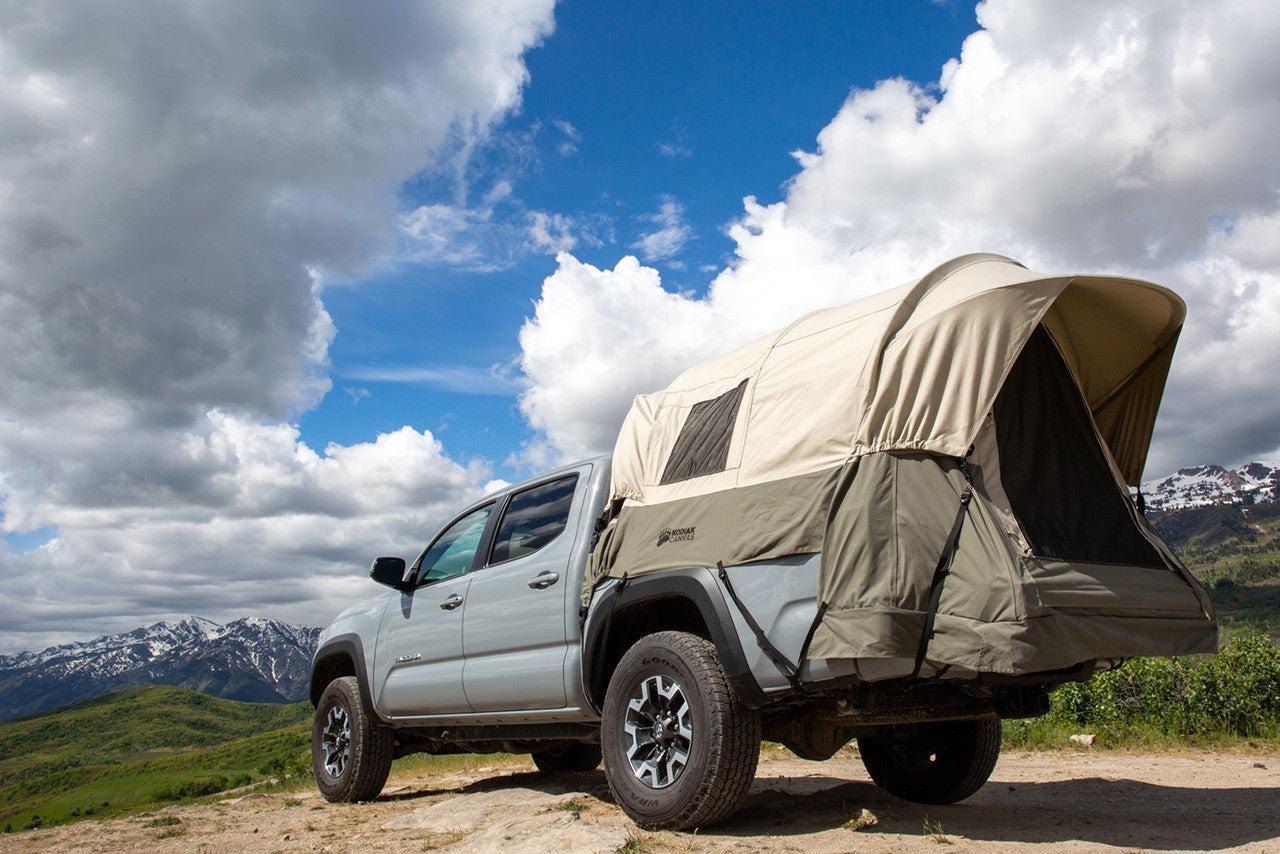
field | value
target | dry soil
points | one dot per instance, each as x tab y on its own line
1071	801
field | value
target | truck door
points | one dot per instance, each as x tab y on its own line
420	640
514	629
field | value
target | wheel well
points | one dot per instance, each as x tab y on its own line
632	622
328	669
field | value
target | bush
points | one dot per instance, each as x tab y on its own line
199	787
286	765
1234	693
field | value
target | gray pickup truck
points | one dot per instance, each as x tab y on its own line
901	521
483	645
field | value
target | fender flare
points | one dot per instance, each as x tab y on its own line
351	646
696	585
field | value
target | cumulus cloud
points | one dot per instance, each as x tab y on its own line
172	174
177	182
225	518
627	332
1121	137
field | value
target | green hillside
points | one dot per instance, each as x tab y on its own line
1235	552
141	746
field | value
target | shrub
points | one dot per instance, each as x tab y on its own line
199	787
1236	692
286	765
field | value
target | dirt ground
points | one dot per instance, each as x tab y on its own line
1035	802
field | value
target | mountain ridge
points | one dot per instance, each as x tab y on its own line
1209	485
250	659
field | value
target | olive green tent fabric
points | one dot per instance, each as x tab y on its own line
842	434
1003	610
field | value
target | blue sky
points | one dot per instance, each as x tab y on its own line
284	285
627	106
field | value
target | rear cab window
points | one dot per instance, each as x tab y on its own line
534	518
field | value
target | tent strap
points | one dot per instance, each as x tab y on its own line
943	568
780	661
808	638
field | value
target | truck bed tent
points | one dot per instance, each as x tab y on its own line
849	433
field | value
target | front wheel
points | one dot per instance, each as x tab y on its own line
937	763
680	747
350	750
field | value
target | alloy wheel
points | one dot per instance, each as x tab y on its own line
337	741
658	731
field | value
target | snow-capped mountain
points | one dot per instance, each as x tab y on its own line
1201	486
250	659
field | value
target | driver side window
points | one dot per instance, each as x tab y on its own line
454	550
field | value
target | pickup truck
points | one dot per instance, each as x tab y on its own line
484	644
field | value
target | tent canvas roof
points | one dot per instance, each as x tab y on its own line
916	368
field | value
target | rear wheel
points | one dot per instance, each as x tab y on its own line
570	757
350	750
680	747
937	763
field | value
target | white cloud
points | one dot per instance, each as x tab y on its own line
226	518
1122	137
357	394
672	232
551	233
175	182
464	238
597	336
493	235
170	176
571	138
461	379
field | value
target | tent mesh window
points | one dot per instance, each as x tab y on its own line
702	447
1053	469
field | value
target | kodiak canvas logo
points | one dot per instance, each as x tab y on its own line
676	535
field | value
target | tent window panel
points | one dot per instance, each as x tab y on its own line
1053	469
702	447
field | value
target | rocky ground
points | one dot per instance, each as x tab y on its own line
1068	801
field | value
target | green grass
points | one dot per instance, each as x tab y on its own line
152	746
139	748
134	723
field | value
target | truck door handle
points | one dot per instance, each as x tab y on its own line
543	580
452	602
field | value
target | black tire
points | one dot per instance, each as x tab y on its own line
937	763
350	750
691	752
568	757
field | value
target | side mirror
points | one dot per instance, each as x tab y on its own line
389	571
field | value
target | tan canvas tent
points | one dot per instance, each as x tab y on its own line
856	431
